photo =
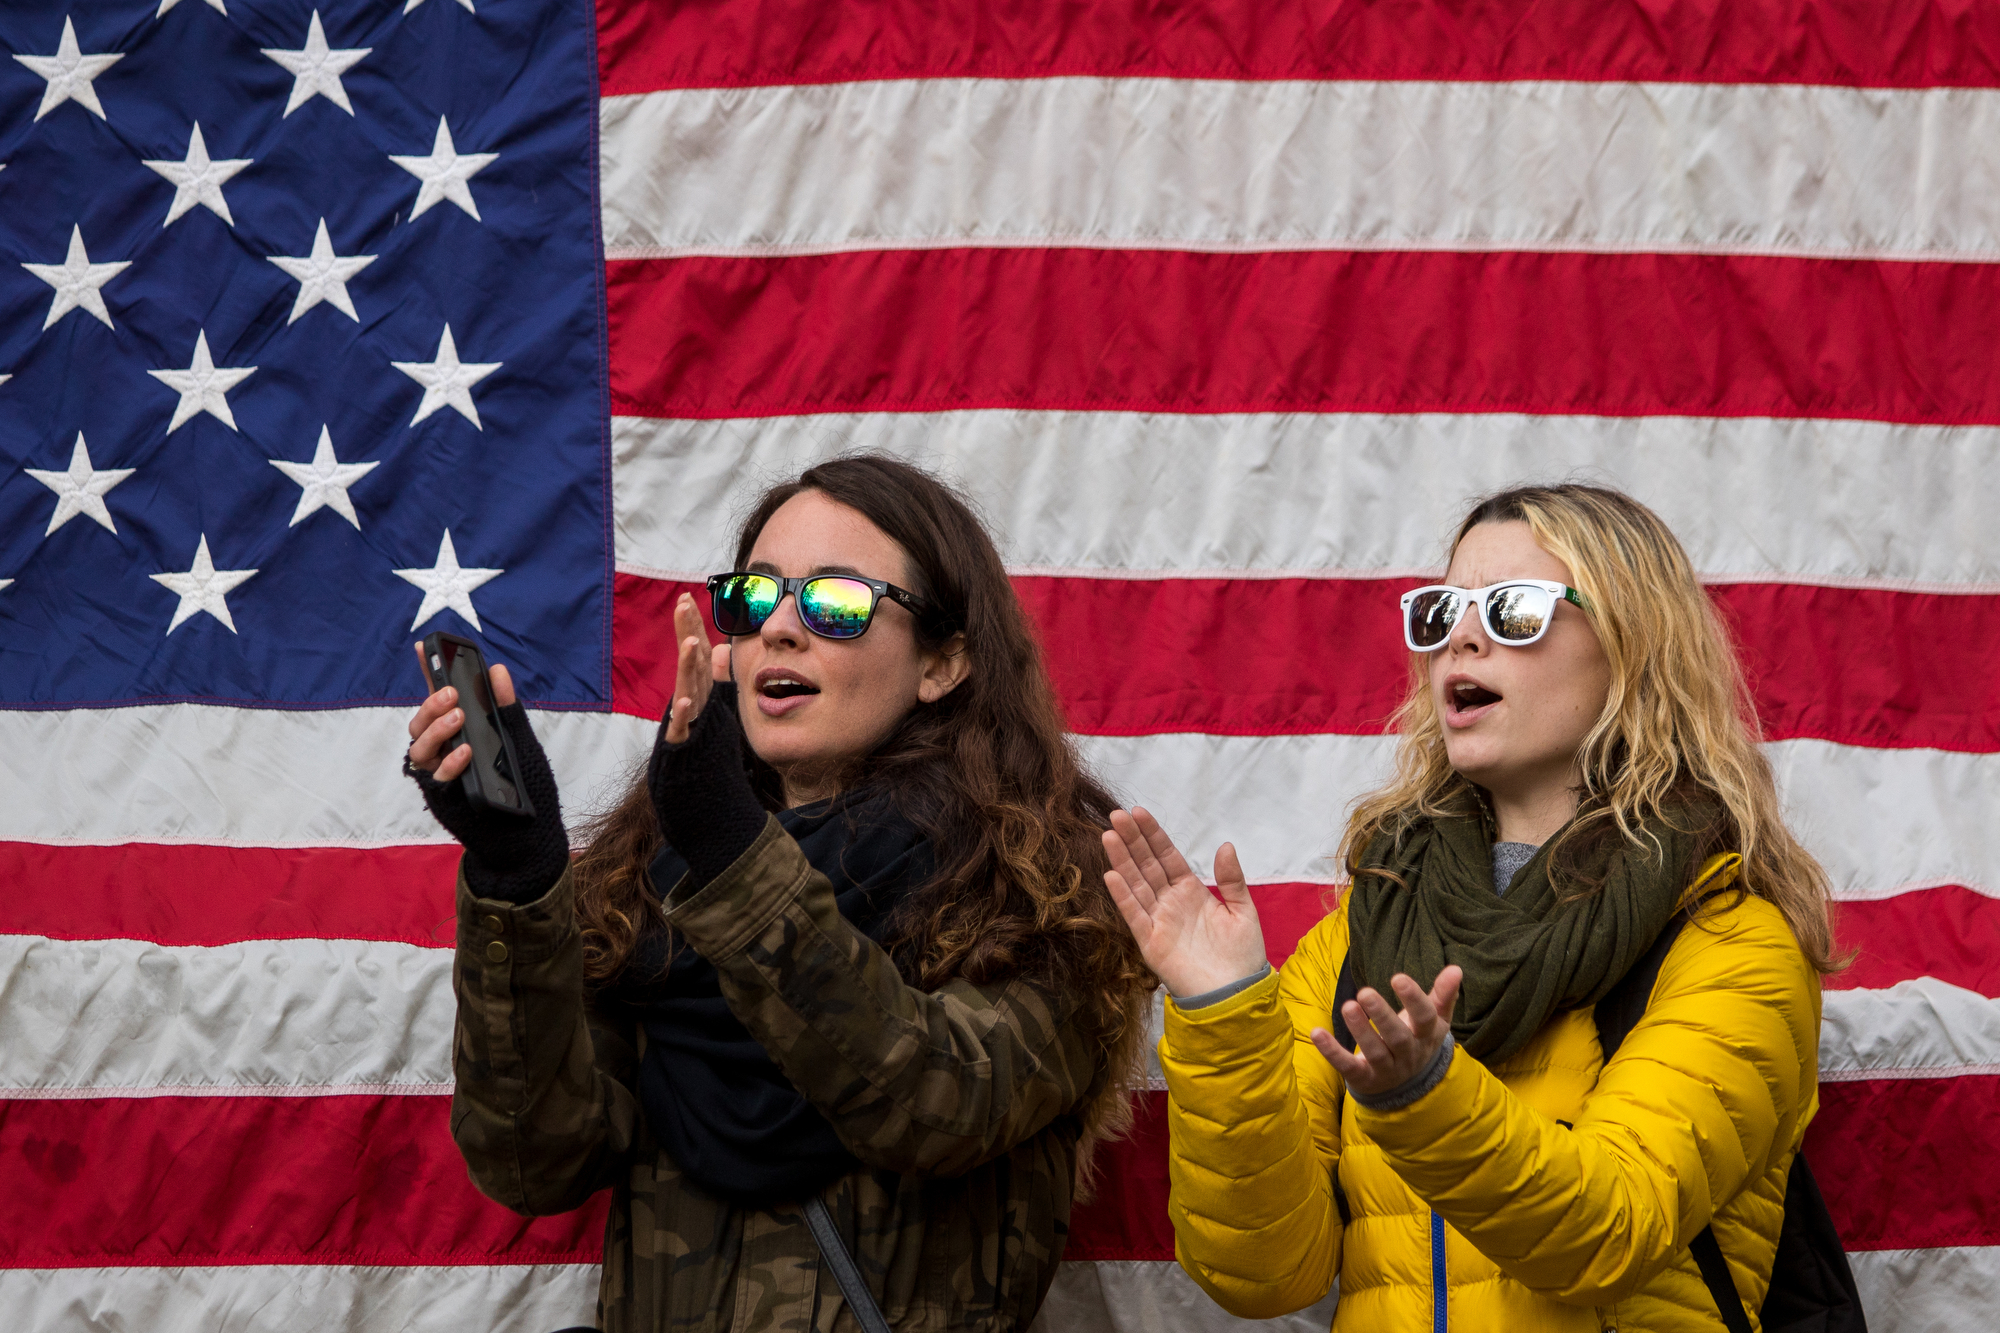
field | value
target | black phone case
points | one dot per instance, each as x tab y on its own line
489	780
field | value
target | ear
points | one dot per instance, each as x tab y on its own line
945	669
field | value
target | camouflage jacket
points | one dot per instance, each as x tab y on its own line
962	1104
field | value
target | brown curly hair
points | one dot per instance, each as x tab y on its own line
988	772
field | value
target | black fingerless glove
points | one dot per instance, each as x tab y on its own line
507	857
707	808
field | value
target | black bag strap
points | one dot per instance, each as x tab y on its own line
1721	1286
833	1252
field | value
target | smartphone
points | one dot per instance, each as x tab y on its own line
489	780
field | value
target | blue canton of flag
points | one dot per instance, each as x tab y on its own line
302	338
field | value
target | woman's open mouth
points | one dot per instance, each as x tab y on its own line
1466	701
780	692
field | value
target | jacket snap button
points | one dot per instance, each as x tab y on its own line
496	952
495	923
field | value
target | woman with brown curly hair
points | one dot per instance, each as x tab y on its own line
834	1000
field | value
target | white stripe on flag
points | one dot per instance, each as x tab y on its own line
1151	1295
1928	1291
124	1017
289	1018
1882	821
258	1298
260	777
1139	494
1217	165
1922	1028
1877	819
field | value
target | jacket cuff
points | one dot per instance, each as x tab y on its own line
1411	1088
1434	1124
1224	1032
1205	998
734	908
526	932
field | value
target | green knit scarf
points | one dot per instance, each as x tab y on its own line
1525	955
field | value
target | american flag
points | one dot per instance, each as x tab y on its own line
325	324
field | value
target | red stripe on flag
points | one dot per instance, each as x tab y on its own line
200	895
1127	1219
1287	912
1876	1149
643	647
1257	657
208	896
1316	331
1865	666
182	1181
1246	657
1946	932
376	1180
644	46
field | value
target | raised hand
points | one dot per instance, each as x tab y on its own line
508	857
438	719
1394	1047
698	668
1192	940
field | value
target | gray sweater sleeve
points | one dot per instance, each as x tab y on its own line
1398	1097
1221	993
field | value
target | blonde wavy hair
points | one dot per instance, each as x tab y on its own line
1678	723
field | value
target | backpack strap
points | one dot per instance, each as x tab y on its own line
1620	1011
1625	1003
1721	1286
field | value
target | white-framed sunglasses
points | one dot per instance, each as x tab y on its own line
1515	613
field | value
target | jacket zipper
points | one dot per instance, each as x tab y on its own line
1437	1274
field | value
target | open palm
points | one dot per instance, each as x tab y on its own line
1193	940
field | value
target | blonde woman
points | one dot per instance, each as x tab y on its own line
1577	777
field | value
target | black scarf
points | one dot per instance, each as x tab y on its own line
713	1097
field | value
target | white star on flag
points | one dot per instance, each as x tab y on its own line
202	387
5	584
69	73
444	173
325	480
447	381
198	179
322	276
76	281
80	490
412	4
165	5
447	586
316	69
202	588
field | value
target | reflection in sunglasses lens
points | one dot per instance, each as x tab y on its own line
744	603
1517	613
837	608
1432	614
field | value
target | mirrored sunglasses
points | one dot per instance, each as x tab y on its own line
833	606
1516	613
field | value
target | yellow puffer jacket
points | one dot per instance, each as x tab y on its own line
1548	1192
